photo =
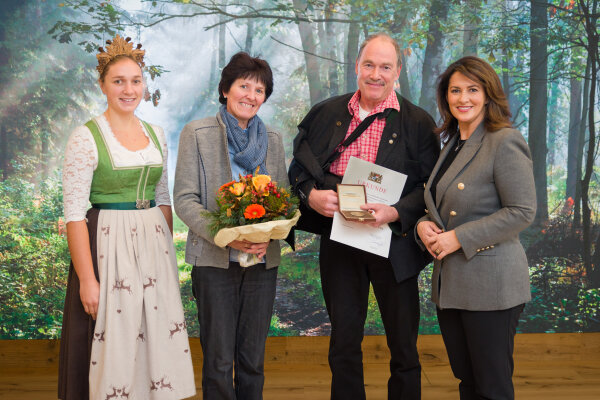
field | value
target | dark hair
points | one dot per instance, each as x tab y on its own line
384	36
497	112
114	61
242	66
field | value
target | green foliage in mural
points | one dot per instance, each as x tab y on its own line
33	257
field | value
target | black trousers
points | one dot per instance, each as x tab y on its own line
234	311
480	347
346	273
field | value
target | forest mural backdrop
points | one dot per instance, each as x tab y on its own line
546	53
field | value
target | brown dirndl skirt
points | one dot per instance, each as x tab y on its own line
77	331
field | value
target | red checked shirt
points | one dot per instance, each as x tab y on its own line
365	147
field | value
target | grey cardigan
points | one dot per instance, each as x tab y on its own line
202	167
487	196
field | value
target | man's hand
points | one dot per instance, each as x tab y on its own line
383	214
325	202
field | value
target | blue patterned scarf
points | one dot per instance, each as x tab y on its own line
250	147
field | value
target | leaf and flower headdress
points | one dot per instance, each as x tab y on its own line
119	47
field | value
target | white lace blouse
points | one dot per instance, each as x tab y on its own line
81	160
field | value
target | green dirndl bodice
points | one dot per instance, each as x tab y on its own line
122	188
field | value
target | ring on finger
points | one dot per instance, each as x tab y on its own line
437	251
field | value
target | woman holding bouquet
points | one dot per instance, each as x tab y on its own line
124	332
235	303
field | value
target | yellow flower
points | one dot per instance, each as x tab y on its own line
260	182
237	188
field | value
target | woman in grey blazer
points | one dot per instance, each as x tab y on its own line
234	303
479	196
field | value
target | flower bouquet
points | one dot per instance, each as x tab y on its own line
255	209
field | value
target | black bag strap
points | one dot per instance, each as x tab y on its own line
365	123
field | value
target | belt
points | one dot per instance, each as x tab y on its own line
132	205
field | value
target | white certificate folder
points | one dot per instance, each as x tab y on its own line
382	185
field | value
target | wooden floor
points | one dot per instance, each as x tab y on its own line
547	366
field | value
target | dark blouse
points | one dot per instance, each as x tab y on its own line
446	164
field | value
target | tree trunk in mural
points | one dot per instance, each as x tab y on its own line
222	54
404	82
552	125
593	273
320	46
397	27
516	104
249	31
351	53
214	54
432	64
471	11
5	56
573	142
506	64
307	36
4	152
506	78
334	88
538	102
581	144
45	155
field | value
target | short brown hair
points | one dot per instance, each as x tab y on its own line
242	66
497	112
385	36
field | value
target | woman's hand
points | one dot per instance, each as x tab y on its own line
168	214
445	243
81	255
89	292
428	232
260	249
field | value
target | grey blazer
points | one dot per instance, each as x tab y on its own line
487	196
202	167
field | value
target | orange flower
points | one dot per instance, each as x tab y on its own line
260	182
225	186
254	211
237	188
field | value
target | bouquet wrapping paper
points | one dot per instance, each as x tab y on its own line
256	233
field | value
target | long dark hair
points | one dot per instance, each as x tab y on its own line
497	111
